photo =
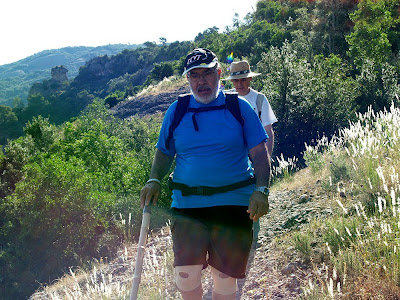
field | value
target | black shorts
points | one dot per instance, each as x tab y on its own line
220	236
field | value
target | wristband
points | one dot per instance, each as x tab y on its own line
154	180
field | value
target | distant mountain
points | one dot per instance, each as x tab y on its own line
17	78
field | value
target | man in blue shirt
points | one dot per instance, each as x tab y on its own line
215	196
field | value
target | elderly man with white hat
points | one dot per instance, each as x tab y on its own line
241	77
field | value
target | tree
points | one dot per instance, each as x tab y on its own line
37	105
209	31
310	98
370	47
150	45
8	124
114	98
274	12
42	133
63	199
332	23
374	23
161	71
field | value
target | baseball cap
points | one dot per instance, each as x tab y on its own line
199	58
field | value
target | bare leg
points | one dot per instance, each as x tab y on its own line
188	281
224	286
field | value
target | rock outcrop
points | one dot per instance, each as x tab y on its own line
147	105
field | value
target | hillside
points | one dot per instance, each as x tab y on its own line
17	78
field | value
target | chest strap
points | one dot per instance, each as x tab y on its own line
208	190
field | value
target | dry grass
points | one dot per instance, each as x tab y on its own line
113	280
302	178
362	241
166	85
369	285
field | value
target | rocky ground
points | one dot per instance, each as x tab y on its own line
149	104
274	273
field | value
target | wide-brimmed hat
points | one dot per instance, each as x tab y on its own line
240	69
199	58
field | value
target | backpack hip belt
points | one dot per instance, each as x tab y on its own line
208	190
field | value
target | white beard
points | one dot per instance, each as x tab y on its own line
206	99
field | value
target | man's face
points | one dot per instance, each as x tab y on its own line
204	83
242	85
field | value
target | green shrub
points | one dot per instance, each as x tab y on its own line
68	188
302	243
339	170
314	159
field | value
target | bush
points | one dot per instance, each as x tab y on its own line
68	187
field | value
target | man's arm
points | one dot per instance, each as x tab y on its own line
259	205
271	138
152	190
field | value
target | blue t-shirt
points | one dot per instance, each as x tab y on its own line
215	155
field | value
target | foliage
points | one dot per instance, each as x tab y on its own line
159	72
331	25
317	91
373	46
42	133
310	98
114	98
68	187
9	127
302	244
374	23
378	85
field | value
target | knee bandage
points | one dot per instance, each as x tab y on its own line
223	283
188	278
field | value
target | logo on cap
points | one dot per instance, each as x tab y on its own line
193	59
200	58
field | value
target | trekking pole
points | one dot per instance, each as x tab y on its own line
144	229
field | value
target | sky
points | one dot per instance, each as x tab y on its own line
31	26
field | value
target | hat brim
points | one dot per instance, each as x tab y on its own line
202	66
239	76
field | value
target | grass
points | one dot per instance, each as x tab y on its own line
113	280
362	241
165	85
